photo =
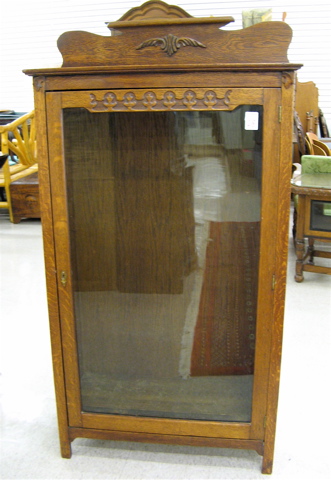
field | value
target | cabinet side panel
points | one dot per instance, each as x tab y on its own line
268	260
285	166
50	268
62	254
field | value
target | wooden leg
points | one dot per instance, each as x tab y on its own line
65	448
267	466
299	240
294	227
268	454
311	250
64	431
269	447
300	251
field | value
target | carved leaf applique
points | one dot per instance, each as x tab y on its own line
171	44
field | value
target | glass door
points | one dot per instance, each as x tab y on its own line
164	234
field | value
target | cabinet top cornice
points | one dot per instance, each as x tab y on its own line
161	37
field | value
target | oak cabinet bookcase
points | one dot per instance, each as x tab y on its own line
165	163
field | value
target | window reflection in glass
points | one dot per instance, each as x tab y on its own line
164	218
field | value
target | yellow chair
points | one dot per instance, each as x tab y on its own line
322	146
315	146
18	141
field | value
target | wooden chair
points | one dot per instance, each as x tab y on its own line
306	105
18	141
307	118
321	145
315	146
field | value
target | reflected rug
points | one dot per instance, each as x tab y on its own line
224	337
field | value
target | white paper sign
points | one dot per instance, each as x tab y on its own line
251	121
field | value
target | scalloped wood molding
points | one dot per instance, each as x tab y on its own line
155	9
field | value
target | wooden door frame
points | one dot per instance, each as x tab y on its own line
77	420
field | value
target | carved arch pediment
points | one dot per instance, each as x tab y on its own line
155	9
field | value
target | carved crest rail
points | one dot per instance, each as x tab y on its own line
156	101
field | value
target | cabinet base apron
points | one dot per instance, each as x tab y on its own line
257	445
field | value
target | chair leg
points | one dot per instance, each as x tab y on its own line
294	225
311	250
8	197
300	253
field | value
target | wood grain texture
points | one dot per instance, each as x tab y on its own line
281	248
166	426
168	439
155	250
247	75
25	198
161	99
63	257
319	193
267	263
89	169
155	9
50	269
305	229
262	43
306	102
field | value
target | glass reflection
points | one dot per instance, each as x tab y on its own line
164	216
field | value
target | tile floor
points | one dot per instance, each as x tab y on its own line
29	441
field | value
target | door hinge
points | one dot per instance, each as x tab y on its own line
280	109
273	283
265	422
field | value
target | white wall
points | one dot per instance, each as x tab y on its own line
29	30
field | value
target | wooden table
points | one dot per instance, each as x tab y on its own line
313	221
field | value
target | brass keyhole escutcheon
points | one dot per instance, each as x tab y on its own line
64	278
